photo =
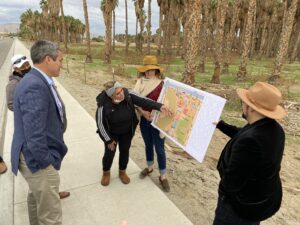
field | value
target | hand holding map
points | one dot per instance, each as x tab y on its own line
166	110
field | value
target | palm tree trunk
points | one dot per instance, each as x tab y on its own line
65	38
295	48
108	31
136	34
159	33
192	29
203	37
263	37
221	12
288	20
126	29
241	74
254	35
114	30
230	37
149	27
88	58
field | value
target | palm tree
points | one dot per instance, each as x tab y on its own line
149	27
64	26
26	25
46	32
88	58
126	29
287	26
230	36
192	29
295	47
221	13
54	12
140	19
159	2
114	30
107	8
203	35
241	74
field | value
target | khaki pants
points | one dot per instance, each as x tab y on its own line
44	206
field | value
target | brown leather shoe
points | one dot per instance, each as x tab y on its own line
105	178
64	194
3	167
145	172
123	177
165	184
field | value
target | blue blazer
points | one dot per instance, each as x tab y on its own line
38	127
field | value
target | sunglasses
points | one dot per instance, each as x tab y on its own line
19	60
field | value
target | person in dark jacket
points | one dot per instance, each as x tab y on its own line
21	67
116	121
250	188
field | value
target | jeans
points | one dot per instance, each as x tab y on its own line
225	215
124	142
152	139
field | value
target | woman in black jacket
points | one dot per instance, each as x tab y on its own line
116	121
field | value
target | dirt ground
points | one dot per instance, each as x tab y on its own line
194	185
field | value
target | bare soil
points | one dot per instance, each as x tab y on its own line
194	185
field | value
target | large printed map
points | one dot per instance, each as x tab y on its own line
194	112
185	107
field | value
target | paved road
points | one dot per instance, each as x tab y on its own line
5	45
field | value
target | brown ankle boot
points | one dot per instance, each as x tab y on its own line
105	178
123	177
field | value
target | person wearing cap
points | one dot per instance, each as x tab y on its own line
21	67
116	122
250	187
38	146
149	85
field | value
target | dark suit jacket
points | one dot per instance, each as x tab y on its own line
249	168
38	128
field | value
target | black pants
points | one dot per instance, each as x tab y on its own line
124	142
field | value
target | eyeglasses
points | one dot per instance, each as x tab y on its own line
19	60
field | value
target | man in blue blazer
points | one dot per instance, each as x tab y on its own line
39	123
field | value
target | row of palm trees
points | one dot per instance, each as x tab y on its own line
261	28
35	25
194	28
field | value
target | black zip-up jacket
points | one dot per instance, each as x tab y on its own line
105	110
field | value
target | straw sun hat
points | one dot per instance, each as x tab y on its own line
263	98
150	63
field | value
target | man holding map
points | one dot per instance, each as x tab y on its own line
250	188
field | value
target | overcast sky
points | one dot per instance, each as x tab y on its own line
10	11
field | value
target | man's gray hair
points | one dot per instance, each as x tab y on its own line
42	48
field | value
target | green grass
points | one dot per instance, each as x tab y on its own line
257	69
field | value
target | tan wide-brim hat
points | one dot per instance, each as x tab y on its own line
263	98
150	63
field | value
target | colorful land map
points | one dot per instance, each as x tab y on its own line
185	108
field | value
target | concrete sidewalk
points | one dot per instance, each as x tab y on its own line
140	203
